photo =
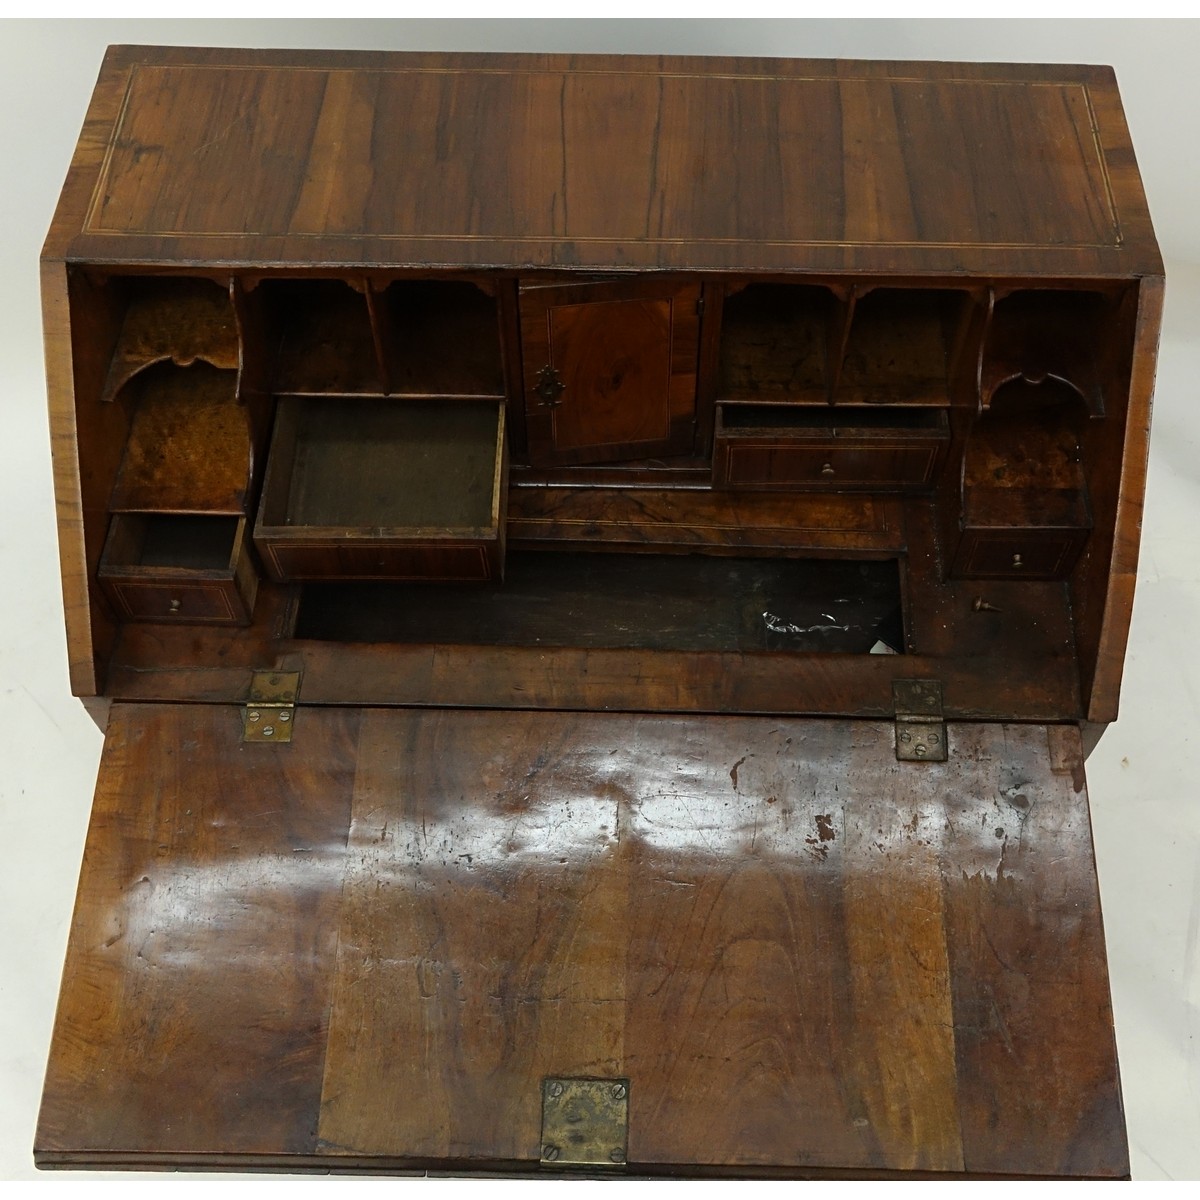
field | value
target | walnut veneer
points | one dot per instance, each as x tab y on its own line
580	430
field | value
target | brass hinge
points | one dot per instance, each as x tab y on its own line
585	1122
270	713
920	726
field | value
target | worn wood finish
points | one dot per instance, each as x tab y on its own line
370	947
181	569
365	488
204	933
775	344
662	519
322	336
440	208
1104	580
189	447
798	362
762	208
440	338
771	448
1030	679
898	347
697	603
174	320
610	370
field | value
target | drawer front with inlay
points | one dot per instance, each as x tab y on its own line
780	463
215	601
1019	554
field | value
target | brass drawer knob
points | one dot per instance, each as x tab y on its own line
827	469
1017	561
174	606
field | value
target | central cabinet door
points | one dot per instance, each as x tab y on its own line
610	370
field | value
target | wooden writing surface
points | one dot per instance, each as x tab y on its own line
369	947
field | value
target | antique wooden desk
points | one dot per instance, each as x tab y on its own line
599	575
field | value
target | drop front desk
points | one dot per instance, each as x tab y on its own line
599	576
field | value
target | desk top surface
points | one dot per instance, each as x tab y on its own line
529	162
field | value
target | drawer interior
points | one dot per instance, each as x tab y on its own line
374	465
174	541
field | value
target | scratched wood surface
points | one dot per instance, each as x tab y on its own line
368	948
867	179
615	160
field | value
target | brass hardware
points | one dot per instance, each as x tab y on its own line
585	1122
827	469
174	606
920	728
549	387
269	714
981	605
1017	561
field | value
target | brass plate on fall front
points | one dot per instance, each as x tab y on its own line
585	1122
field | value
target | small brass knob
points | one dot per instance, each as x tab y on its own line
1017	561
174	606
827	469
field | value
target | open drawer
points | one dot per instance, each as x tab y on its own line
185	568
400	941
367	488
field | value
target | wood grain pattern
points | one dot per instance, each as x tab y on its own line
729	129
174	320
189	447
87	442
1105	624
851	161
1015	842
664	519
367	949
199	968
595	832
624	362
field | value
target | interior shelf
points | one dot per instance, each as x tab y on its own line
1056	339
184	541
440	337
320	336
775	343
899	347
801	344
172	320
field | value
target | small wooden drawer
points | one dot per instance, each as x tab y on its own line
190	569
783	447
1021	533
1018	554
385	489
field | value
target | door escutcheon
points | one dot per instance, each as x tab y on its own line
549	387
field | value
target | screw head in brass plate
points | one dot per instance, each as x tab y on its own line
585	1122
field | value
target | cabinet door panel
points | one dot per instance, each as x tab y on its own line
609	370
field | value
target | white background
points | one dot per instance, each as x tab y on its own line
1143	775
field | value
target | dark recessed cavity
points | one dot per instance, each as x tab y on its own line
693	603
